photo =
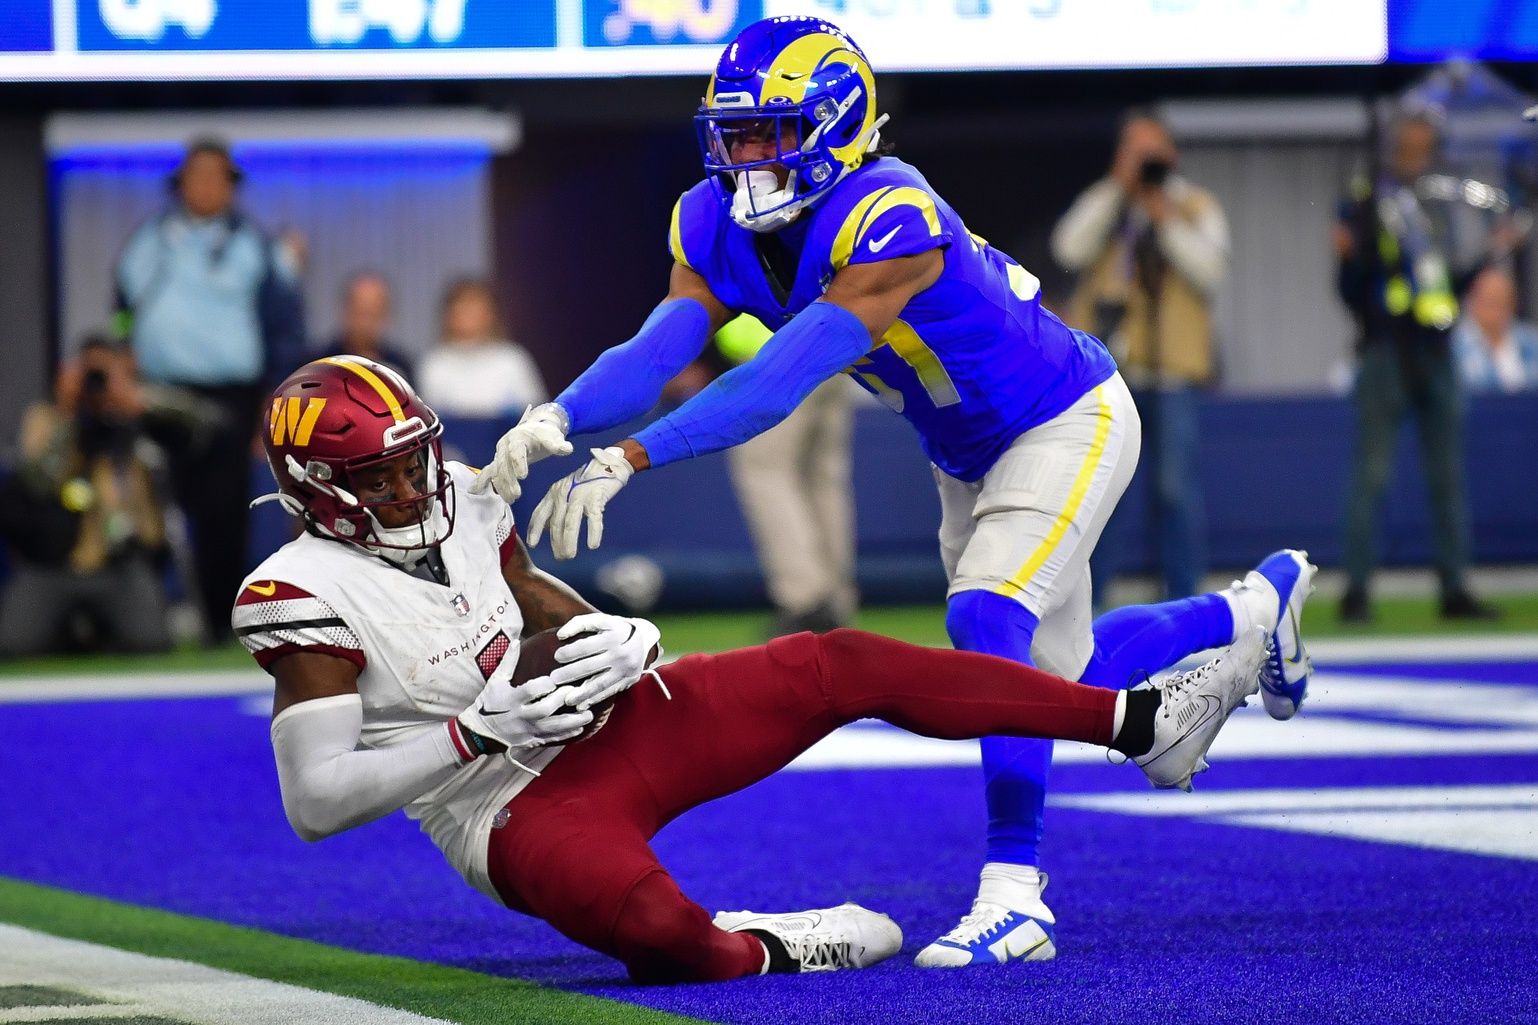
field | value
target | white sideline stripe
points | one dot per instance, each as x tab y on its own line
1502	795
1498	820
1502	834
1462	648
181	990
129	686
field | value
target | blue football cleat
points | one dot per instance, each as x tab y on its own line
1284	677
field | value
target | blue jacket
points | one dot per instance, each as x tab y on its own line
213	303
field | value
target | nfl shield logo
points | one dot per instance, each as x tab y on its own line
461	605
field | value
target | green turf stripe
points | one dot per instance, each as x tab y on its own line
921	624
435	990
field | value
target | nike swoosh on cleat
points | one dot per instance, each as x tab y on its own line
266	591
1211	706
1296	632
1010	953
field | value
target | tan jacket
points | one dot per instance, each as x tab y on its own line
116	499
1092	239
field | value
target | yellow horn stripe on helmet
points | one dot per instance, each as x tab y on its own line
391	402
791	71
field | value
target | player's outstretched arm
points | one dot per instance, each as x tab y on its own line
621	384
820	341
328	784
858	308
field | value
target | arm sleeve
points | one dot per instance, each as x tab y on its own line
1198	247
1084	230
329	784
748	400
626	380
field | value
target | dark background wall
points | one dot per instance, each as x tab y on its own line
24	266
581	208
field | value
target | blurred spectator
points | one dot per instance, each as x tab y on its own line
367	308
83	518
794	484
1150	248
212	307
1395	275
1495	351
476	370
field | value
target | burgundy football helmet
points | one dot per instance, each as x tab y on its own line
338	416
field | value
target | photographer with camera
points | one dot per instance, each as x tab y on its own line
82	516
1150	249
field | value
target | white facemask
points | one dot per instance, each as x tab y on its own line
759	189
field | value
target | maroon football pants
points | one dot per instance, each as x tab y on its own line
576	849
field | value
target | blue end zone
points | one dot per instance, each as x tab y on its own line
1184	917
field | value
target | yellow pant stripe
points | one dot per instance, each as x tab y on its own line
1017	583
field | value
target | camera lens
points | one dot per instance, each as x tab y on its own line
1154	172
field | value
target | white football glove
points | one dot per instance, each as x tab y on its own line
521	718
541	432
578	496
607	653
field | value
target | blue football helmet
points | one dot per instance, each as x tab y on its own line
803	88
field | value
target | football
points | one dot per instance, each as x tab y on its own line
536	658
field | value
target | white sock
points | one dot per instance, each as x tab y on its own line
1252	604
1121	713
1017	887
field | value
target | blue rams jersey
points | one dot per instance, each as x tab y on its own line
973	361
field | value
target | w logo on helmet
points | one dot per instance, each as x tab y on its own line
294	419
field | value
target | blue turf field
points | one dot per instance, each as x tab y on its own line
1375	860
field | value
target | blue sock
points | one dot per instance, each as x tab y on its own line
1014	768
1134	642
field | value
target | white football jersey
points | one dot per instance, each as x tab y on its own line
423	650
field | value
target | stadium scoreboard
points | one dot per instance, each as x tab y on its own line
126	40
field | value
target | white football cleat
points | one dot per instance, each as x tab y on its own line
1285	674
1272	595
1194	706
822	940
992	934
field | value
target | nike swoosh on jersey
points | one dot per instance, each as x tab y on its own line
268	591
878	244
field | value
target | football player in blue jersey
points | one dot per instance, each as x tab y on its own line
859	267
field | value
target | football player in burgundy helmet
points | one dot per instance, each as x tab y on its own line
397	685
359	456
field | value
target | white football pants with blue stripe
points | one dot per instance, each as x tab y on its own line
1016	546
